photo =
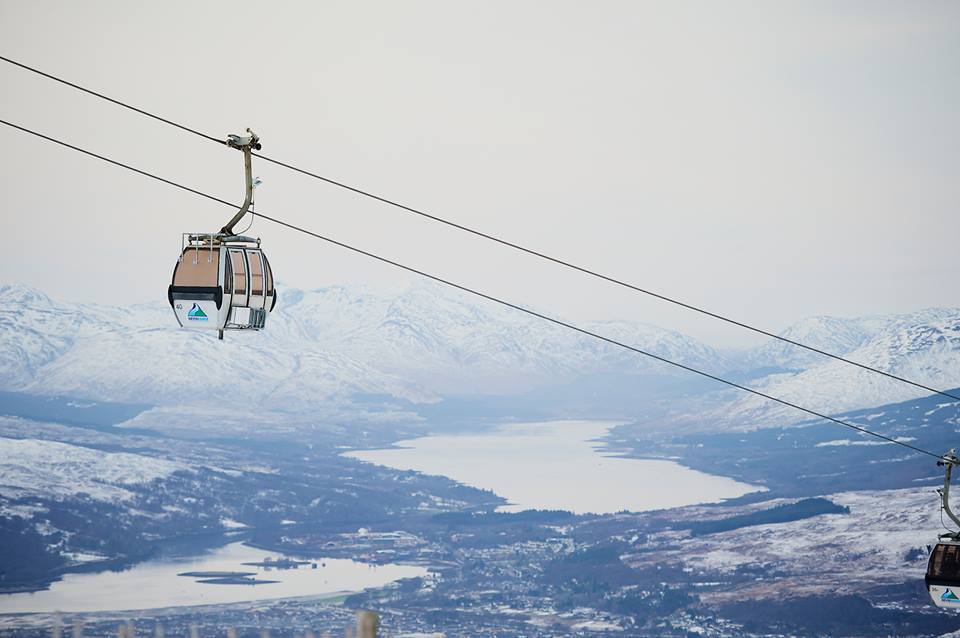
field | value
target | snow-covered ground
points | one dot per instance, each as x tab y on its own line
30	467
922	346
830	553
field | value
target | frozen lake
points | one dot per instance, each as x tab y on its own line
557	465
154	584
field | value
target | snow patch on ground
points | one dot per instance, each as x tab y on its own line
27	511
822	554
31	467
847	442
597	625
83	557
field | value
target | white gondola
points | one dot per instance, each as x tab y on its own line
943	568
943	574
223	281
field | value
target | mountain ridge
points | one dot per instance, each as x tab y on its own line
424	343
322	344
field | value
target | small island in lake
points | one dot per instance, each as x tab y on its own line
217	574
236	580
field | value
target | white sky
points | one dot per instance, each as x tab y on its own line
769	160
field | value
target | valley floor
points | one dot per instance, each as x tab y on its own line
796	560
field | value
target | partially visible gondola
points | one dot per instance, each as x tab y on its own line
943	568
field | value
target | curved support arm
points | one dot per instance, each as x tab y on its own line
246	144
949	460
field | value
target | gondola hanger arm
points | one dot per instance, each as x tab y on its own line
247	144
948	460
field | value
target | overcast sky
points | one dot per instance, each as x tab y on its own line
769	160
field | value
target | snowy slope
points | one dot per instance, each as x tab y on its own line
34	331
450	343
322	346
325	346
830	334
922	346
836	335
137	354
826	554
30	467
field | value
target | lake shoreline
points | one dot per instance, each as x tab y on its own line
541	459
119	563
158	583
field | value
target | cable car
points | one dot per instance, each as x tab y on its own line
943	574
223	281
943	568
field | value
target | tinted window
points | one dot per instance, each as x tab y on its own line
268	273
239	272
227	277
256	273
945	562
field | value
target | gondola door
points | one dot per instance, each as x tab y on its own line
239	311
241	278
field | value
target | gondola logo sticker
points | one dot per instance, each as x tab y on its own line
196	314
949	597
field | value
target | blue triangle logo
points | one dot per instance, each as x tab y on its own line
948	595
196	312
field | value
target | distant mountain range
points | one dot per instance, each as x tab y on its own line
427	343
922	346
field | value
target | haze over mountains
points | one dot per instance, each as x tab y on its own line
326	346
922	346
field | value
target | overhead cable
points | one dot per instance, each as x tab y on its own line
486	296
504	242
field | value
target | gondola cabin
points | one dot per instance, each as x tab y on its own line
222	283
943	574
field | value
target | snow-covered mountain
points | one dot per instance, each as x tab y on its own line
836	335
426	342
923	346
452	344
322	345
